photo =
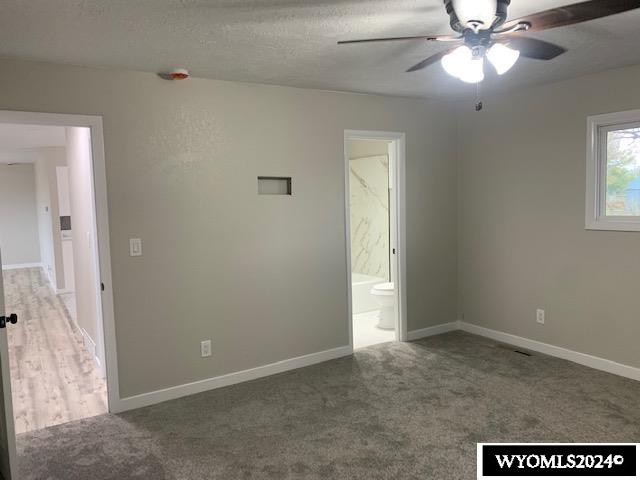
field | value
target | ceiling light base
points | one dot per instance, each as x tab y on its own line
477	25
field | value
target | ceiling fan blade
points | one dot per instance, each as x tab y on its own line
572	14
436	38
534	48
430	61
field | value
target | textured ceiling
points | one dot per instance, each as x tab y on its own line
289	42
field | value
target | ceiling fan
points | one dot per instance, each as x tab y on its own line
482	28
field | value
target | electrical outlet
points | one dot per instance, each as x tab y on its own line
205	348
540	316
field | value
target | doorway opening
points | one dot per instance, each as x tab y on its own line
374	203
55	275
56	354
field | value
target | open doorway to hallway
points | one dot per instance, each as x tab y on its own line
50	272
372	164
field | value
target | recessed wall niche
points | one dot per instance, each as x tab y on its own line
274	185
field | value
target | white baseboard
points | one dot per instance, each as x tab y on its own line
62	291
430	331
564	353
51	282
15	266
90	346
158	396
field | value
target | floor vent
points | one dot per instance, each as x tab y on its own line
522	353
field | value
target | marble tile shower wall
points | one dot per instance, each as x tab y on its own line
369	185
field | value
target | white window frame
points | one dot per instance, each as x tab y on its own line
597	128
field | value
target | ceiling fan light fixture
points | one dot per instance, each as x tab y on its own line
463	64
455	63
483	27
470	12
474	71
502	57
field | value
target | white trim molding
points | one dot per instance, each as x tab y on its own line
598	126
171	393
107	333
62	291
16	266
431	331
554	351
90	346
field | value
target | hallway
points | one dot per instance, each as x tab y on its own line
53	378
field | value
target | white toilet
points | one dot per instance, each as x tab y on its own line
384	294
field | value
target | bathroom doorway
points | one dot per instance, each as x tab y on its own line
374	205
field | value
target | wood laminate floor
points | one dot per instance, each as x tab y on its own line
53	378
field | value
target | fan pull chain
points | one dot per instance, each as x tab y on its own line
478	102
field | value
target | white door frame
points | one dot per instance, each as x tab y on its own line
101	233
397	172
7	424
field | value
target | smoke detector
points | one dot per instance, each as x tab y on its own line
176	74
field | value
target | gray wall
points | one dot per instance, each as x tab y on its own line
523	243
18	221
263	276
47	159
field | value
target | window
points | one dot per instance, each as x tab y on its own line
613	172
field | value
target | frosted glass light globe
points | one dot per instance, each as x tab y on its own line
456	62
502	57
474	71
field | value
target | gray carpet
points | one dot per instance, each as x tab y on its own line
393	411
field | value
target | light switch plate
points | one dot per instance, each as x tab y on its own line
205	348
135	247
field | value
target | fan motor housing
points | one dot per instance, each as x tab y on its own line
501	15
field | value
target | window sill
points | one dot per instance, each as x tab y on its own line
614	225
